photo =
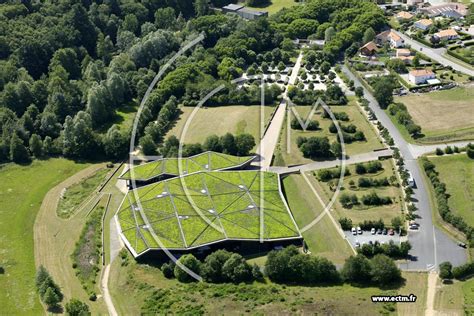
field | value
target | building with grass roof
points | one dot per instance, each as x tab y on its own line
172	167
207	210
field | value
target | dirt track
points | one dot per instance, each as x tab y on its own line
55	239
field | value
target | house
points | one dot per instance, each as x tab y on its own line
391	37
404	16
407	59
423	24
446	35
420	76
448	10
368	49
414	2
402	52
243	11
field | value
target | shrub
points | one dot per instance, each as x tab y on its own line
168	270
439	152
190	262
346	223
76	307
445	270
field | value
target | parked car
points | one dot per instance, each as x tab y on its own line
384	231
357	244
461	244
359	230
372	231
379	231
354	231
391	232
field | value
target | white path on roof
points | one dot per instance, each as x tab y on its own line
267	145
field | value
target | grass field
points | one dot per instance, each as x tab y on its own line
235	119
443	115
275	6
361	212
355	117
455	299
457	171
22	190
73	196
322	239
130	285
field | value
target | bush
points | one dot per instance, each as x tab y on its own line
168	270
384	270
348	200
374	199
346	223
76	307
463	271
439	152
445	270
190	262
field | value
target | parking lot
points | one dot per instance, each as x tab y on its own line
366	237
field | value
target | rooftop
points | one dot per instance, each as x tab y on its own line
233	7
425	22
207	161
205	208
421	72
447	32
404	15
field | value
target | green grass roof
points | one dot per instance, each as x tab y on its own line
227	205
207	161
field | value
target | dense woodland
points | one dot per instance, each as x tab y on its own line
66	67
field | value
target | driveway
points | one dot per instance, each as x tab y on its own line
430	246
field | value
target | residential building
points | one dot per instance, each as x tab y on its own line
446	35
391	37
243	11
368	49
420	76
407	59
402	52
423	24
403	16
449	10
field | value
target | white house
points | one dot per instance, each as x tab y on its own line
448	34
420	76
423	24
391	37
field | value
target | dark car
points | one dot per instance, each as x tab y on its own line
379	231
384	231
461	244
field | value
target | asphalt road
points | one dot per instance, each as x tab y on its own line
430	246
435	54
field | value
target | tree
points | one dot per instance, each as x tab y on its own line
357	269
244	143
36	145
18	151
329	34
147	145
276	266
316	147
384	270
212	143
50	298
397	222
168	270
191	263
397	65
212	268
228	144
237	269
201	7
359	92
165	18
369	35
302	28
115	143
383	91
76	307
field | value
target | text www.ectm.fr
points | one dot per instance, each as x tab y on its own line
394	298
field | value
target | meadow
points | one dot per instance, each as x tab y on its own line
21	193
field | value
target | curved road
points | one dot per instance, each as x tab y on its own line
430	246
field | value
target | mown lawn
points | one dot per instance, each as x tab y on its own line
362	212
455	299
443	115
235	119
275	5
21	192
290	154
322	239
457	171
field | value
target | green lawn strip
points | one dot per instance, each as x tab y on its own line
362	212
437	220
322	239
79	193
275	6
457	172
22	191
86	257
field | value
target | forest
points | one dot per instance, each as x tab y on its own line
68	67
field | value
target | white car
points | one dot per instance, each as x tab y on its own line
354	231
359	230
372	231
